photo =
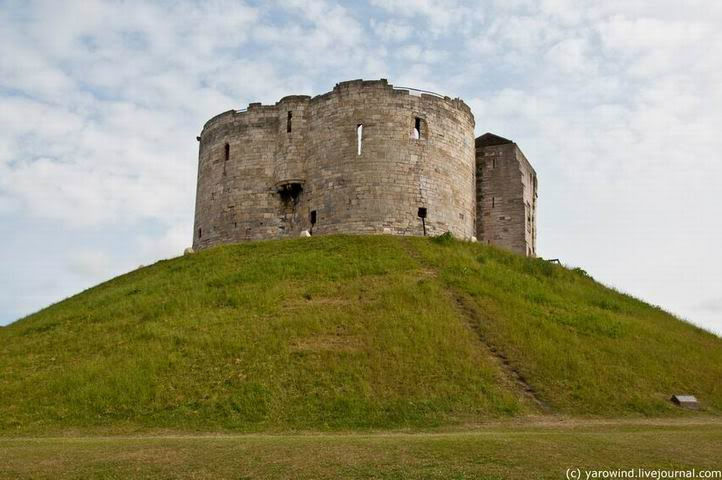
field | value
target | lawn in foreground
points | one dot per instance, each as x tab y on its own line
505	451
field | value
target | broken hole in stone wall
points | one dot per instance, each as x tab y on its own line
290	193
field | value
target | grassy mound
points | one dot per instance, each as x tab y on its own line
347	333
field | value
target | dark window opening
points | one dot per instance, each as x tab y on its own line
290	192
493	202
417	128
422	215
313	221
493	162
200	233
288	121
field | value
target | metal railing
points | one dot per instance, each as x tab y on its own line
428	92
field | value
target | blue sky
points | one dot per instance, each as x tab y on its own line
617	104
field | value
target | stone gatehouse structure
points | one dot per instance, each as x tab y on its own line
365	158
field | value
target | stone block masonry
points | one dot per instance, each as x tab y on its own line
365	158
506	195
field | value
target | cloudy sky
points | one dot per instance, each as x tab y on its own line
618	105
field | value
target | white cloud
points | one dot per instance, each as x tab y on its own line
170	243
440	15
416	54
94	264
391	31
711	305
571	56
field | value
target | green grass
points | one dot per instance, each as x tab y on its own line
345	333
510	452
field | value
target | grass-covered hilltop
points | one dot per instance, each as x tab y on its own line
346	333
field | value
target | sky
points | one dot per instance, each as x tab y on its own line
617	104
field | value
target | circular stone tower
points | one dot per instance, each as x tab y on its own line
365	158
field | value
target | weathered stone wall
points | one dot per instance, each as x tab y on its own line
530	195
233	200
506	192
273	178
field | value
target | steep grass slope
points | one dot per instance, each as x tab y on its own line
346	333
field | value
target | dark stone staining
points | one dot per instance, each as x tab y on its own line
290	193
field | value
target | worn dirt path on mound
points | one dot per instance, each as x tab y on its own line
473	319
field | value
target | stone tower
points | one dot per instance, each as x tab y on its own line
365	158
506	193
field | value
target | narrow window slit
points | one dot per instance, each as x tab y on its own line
226	156
200	233
359	137
288	122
